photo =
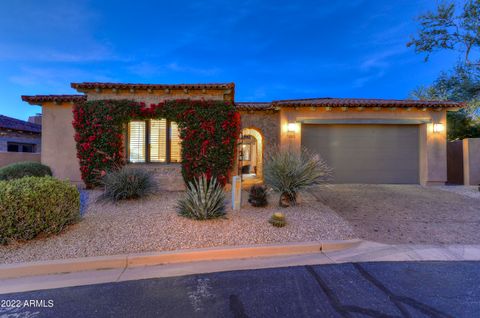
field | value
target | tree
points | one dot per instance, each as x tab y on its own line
447	29
457	29
460	84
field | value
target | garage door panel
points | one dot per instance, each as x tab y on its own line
366	153
366	160
359	164
372	178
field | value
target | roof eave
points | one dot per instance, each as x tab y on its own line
58	99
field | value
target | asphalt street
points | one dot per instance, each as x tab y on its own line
387	289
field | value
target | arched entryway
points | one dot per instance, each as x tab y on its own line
250	159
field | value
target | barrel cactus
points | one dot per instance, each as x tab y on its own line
278	220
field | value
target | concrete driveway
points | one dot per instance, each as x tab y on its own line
405	213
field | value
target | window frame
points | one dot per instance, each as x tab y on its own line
21	146
147	144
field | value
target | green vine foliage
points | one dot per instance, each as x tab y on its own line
208	129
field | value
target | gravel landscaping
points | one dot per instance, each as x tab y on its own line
406	213
152	224
469	191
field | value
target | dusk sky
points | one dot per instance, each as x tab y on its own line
271	49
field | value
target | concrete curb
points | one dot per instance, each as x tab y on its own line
158	258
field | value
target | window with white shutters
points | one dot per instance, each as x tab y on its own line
156	140
175	143
136	141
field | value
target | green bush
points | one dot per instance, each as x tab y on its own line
127	183
24	169
203	200
36	205
287	171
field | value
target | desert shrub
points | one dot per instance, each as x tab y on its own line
288	172
36	205
24	169
258	196
203	200
127	183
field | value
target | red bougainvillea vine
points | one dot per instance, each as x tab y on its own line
208	130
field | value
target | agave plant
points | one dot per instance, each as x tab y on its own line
203	200
288	172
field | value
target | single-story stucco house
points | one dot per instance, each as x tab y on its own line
364	140
19	140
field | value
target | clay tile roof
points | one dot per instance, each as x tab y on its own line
253	106
39	99
17	124
365	102
92	85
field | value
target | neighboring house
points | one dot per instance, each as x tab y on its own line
19	136
364	140
19	140
37	119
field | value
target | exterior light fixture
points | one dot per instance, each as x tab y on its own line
437	128
292	127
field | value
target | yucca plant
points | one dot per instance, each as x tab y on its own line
127	183
288	172
203	200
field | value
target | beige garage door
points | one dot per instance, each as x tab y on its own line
366	153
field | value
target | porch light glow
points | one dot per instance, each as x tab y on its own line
292	127
438	128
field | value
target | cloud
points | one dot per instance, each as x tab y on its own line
382	59
55	31
362	81
376	65
146	69
25	53
55	78
175	67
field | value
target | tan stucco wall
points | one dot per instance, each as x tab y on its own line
471	161
157	96
7	158
433	146
58	146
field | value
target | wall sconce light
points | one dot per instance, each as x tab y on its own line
437	128
292	128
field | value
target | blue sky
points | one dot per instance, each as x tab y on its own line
270	49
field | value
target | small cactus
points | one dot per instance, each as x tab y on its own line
278	220
258	196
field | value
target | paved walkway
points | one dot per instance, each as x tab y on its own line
365	252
